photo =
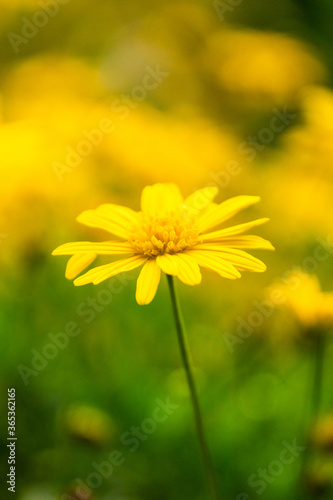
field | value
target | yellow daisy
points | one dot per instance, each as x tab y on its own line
169	234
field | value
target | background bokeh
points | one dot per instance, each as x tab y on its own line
98	99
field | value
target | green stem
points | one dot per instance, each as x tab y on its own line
317	382
318	376
185	353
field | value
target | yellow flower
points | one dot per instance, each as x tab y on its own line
235	58
312	307
170	234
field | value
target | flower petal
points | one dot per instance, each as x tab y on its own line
225	211
246	241
233	230
161	200
199	200
115	219
167	263
105	248
119	213
239	259
212	261
188	270
77	263
148	282
101	273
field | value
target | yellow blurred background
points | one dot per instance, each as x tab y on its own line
99	99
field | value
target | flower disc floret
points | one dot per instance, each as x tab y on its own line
163	235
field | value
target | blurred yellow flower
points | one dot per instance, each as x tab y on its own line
151	134
169	234
312	139
305	159
308	303
237	57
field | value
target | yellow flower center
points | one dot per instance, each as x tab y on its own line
158	235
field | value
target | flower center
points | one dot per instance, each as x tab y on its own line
158	235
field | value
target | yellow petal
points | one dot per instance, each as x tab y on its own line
225	211
161	200
148	282
105	248
214	262
77	263
115	219
188	270
246	241
118	213
167	263
199	200
231	231
101	273
239	259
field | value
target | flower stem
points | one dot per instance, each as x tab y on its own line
185	354
314	410
318	376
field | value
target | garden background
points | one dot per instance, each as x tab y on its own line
99	99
